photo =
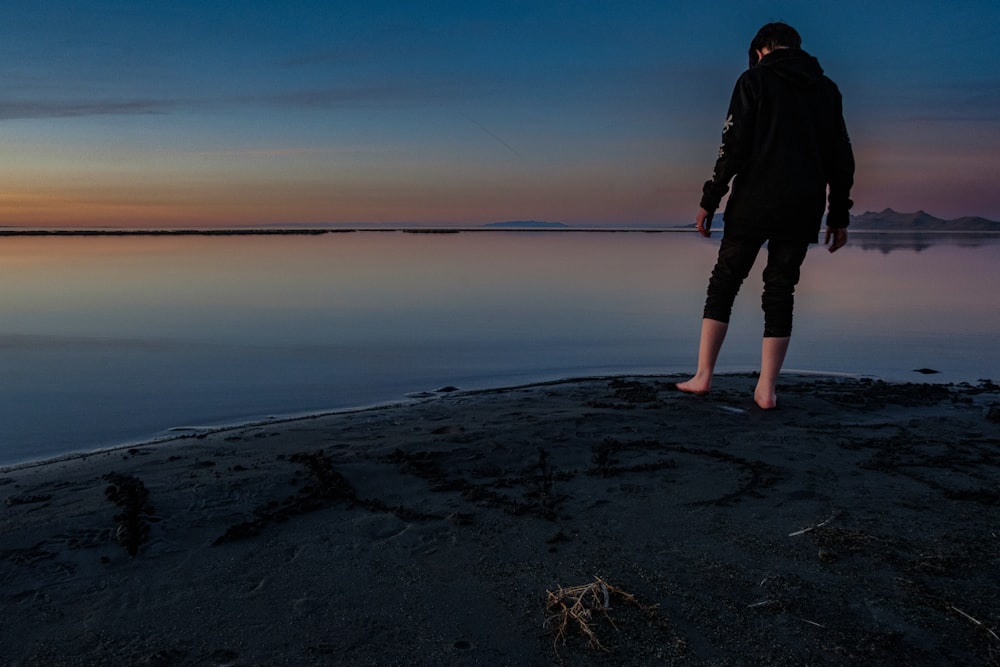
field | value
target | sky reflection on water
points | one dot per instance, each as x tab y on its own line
111	339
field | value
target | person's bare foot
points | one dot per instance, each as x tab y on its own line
765	400
694	386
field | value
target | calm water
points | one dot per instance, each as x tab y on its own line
108	340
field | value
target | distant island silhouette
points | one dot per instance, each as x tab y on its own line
530	224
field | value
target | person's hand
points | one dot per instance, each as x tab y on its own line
836	238
704	222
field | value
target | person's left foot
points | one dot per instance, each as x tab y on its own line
765	401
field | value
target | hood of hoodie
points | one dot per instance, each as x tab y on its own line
794	65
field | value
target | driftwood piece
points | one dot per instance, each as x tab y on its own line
132	497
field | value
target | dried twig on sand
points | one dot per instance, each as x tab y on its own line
580	607
818	525
977	622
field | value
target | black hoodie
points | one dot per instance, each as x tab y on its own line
785	142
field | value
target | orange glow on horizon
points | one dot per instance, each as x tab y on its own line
596	199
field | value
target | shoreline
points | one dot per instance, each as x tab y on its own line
179	432
856	523
184	433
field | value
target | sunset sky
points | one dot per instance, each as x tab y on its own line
182	113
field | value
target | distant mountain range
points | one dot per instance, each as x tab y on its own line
889	220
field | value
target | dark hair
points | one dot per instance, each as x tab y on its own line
773	36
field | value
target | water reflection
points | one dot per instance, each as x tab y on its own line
108	339
887	242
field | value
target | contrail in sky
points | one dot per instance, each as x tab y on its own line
487	131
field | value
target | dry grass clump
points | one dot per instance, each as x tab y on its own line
581	607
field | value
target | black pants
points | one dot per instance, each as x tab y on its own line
781	275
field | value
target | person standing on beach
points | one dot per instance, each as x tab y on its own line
786	143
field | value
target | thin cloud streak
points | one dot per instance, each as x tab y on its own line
75	109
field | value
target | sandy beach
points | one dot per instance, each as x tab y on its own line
859	523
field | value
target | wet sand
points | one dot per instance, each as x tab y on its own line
857	524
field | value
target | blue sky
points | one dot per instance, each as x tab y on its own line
209	113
